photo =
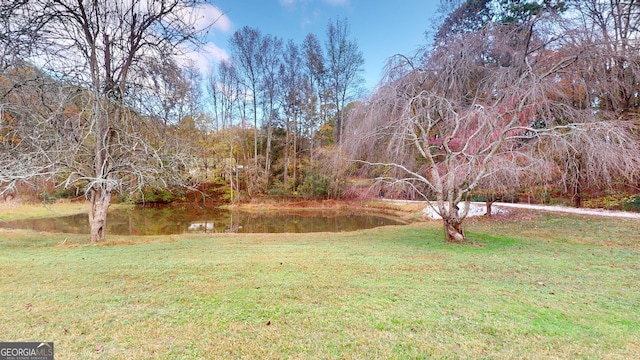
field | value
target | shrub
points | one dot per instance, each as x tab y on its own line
632	203
315	185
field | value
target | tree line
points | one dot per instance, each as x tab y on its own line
292	96
98	100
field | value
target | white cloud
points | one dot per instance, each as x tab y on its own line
204	17
207	55
209	15
203	58
215	53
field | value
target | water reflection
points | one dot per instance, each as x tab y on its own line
178	220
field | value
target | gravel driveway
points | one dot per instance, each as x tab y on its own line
565	209
479	207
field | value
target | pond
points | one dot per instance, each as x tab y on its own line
191	219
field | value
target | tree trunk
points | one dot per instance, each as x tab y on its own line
255	127
489	203
285	179
295	151
453	230
267	158
577	185
232	168
338	134
100	201
577	195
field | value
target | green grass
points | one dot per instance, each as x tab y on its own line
11	211
546	286
14	211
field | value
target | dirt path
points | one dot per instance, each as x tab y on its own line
580	211
564	209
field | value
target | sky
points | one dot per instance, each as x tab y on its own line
381	29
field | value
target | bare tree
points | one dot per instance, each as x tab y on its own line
453	124
167	90
101	47
20	24
30	104
462	17
224	92
270	86
344	65
245	49
607	32
597	155
192	100
291	75
605	79
316	109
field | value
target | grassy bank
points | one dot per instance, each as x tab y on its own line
543	286
16	210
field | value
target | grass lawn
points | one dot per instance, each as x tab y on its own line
531	286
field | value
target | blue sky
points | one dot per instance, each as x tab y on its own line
380	28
